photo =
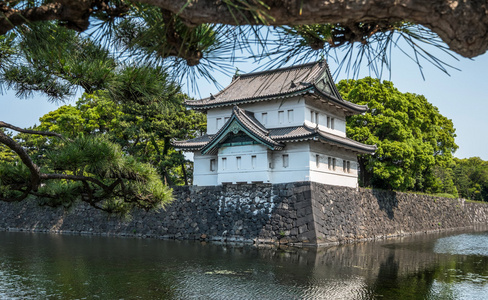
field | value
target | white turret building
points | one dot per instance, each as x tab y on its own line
277	126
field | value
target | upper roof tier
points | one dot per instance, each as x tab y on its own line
312	78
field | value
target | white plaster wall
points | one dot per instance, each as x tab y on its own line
298	164
201	170
213	114
247	172
301	114
301	165
339	176
339	121
271	108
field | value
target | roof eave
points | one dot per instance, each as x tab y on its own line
352	107
248	100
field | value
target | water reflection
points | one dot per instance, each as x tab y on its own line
466	244
37	266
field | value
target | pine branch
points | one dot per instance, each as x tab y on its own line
35	175
28	131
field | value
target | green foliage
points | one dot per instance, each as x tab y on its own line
471	178
49	58
56	61
143	130
117	146
413	138
95	169
5	153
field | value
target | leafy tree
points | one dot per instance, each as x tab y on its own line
356	20
63	166
413	138
143	131
471	178
90	167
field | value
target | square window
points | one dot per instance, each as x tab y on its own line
212	165
333	164
317	161
329	163
253	161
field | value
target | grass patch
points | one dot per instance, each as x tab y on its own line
475	201
445	195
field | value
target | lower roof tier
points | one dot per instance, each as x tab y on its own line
242	126
286	135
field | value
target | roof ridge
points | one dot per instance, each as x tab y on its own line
252	119
311	64
218	93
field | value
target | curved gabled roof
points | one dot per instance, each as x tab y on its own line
279	83
244	121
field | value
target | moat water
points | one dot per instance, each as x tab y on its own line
44	266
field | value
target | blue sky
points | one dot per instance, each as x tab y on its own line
461	97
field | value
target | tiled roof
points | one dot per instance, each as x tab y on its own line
242	120
301	133
313	78
265	84
193	144
278	83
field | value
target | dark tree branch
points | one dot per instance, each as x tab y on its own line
179	46
463	25
17	148
75	13
74	178
17	199
18	129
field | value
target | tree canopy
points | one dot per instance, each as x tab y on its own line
89	151
142	130
412	137
471	178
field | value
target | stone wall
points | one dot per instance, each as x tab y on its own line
301	213
342	215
